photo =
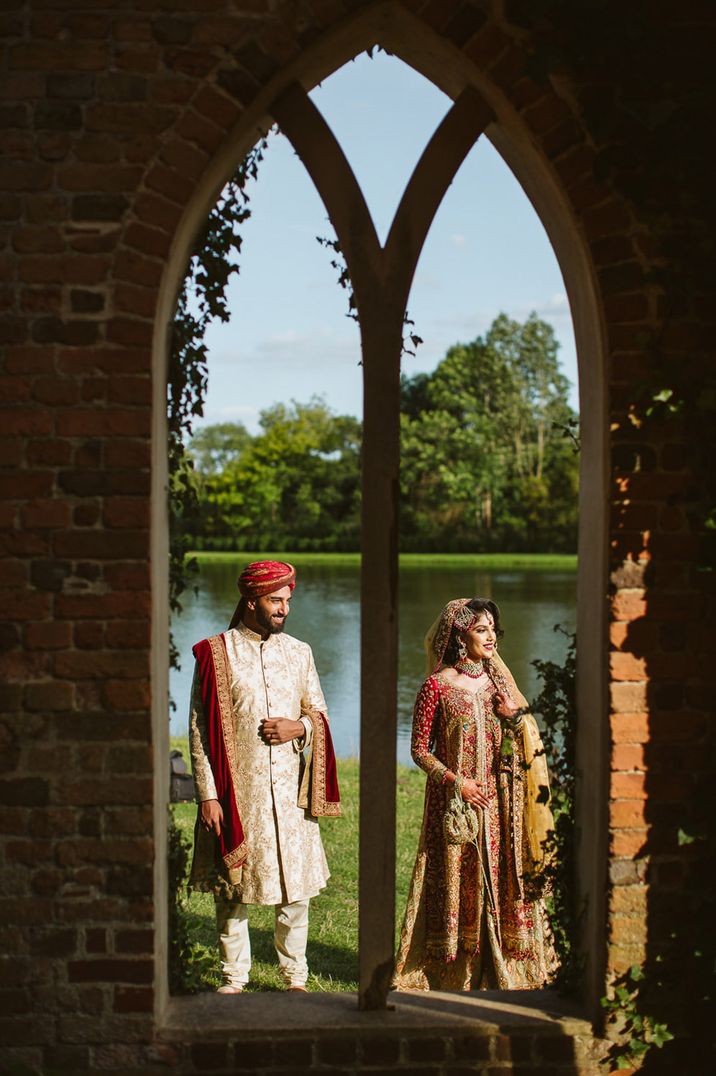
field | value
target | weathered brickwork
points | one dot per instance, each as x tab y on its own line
111	114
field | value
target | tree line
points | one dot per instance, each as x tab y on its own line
488	460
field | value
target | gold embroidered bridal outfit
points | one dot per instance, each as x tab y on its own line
472	920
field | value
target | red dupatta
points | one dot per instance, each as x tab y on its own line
213	670
319	789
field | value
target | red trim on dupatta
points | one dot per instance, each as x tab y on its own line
212	664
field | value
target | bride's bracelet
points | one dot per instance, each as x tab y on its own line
459	781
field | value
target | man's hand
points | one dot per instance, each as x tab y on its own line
212	816
276	730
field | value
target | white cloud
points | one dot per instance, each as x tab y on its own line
458	240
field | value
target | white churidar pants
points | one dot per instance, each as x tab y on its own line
290	938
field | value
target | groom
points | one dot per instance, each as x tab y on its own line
264	770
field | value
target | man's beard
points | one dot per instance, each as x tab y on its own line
271	626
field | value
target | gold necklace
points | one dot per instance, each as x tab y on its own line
470	668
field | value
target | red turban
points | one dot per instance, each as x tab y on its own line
265	576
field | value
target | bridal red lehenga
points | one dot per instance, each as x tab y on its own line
475	917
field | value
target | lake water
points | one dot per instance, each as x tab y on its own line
325	612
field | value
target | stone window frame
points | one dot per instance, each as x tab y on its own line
449	70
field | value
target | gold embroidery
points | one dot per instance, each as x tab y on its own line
319	804
236	857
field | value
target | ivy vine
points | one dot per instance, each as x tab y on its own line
411	340
202	299
557	709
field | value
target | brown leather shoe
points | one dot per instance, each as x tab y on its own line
297	989
230	989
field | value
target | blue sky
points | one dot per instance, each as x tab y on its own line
289	337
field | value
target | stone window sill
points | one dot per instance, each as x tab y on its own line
524	1013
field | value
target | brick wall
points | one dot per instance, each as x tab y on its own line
111	115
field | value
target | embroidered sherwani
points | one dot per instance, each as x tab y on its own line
270	678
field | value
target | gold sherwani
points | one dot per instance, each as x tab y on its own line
270	678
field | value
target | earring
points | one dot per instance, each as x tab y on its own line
461	648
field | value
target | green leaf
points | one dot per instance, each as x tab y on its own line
660	1034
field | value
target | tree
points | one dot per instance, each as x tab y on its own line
482	463
295	484
213	448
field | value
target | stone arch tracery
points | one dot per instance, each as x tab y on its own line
485	100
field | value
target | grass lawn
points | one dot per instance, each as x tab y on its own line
546	562
333	933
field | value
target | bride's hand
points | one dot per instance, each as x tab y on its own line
472	793
504	706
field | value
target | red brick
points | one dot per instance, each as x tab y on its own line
24	176
135	391
627	697
170	183
123	605
152	209
103	422
38	239
107	178
90	665
134	454
46	515
628	757
629	604
121	512
486	45
41	300
95	940
26	605
13	573
629	843
216	108
49	697
133	999
11	452
135	301
47	635
111	791
126	696
100	545
24	422
130	332
628	786
140	59
187	158
135	267
134	941
89	635
630	728
625	666
627	930
29	360
627	813
128	634
104	970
